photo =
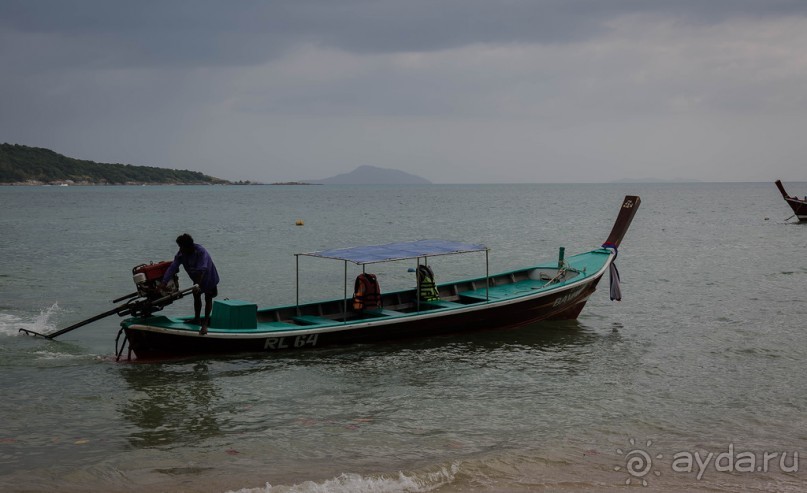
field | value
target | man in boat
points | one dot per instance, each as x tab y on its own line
202	271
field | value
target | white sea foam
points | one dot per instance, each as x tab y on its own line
11	324
50	355
356	483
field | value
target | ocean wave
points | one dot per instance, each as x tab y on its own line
10	324
356	483
51	355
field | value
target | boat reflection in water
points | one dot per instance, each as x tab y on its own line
170	404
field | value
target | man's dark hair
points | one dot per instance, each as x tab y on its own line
185	240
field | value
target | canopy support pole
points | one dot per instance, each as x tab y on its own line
297	282
344	307
487	276
417	285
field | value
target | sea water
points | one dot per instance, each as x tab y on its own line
693	382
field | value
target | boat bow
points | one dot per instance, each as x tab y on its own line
799	206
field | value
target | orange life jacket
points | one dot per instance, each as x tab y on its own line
366	292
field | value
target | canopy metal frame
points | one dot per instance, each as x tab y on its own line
393	252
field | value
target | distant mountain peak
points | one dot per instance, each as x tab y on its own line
373	175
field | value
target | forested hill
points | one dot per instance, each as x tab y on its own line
21	164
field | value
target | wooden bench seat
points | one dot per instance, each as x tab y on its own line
313	320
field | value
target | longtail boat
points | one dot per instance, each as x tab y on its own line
557	290
552	291
798	205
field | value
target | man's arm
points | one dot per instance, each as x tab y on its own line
172	269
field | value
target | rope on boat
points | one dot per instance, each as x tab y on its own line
119	352
613	273
561	272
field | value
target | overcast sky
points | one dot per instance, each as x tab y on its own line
456	91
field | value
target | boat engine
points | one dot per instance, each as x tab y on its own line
151	296
148	277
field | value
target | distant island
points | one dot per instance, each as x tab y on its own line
655	180
23	165
372	175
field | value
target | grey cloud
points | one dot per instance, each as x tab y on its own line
457	91
192	33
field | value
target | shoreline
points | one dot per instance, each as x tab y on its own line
71	183
65	183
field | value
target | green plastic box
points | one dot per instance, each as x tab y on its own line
234	314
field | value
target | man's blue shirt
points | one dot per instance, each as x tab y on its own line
198	265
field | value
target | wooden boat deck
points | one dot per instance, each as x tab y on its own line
460	294
519	288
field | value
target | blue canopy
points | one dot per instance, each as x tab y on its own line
397	251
